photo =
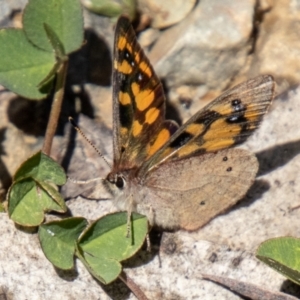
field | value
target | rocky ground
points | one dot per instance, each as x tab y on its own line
212	46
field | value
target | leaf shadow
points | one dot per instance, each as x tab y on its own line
5	176
67	275
290	288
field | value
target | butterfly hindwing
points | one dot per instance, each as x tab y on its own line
138	102
190	192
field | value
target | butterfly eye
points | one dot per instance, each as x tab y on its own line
119	182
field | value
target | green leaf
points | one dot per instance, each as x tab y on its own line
23	66
63	16
105	270
55	42
54	194
112	9
34	190
283	255
47	81
58	239
42	168
28	202
104	244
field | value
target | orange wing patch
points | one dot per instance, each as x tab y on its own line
195	129
145	68
124	67
137	128
124	98
122	41
163	136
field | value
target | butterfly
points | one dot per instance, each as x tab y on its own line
179	177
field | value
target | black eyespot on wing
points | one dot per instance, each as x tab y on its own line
209	117
139	77
238	116
229	169
225	158
236	102
142	78
181	140
125	54
237	105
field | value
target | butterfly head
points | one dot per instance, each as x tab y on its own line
116	179
117	184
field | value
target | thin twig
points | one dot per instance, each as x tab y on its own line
248	290
132	286
56	107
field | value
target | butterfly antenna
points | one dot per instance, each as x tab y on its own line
71	120
85	181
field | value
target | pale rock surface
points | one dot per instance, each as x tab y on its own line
277	47
199	49
165	13
226	246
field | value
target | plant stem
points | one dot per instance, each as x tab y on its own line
132	286
56	107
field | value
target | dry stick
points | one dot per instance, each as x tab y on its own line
56	107
132	286
248	290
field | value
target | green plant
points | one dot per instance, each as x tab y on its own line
51	31
283	255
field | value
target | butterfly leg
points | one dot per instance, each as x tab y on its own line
129	212
151	223
148	243
151	215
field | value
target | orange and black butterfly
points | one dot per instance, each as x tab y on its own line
179	177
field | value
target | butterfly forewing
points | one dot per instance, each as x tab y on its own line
138	102
224	123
